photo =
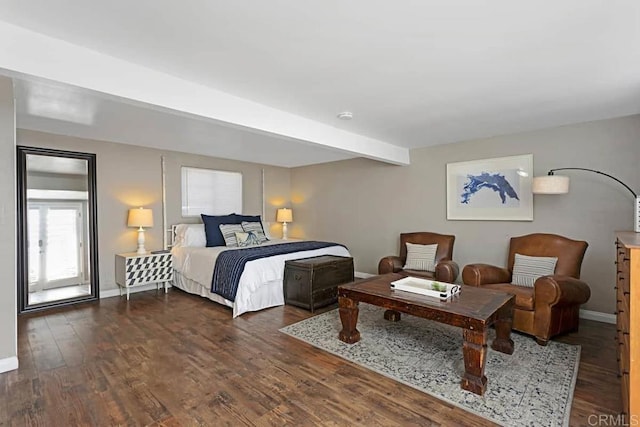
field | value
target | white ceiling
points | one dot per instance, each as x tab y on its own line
67	110
414	73
57	165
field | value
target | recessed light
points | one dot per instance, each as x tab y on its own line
345	115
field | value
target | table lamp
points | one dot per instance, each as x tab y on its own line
284	216
140	218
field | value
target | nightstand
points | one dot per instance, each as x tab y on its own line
133	269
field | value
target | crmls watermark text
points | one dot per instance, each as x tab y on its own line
619	420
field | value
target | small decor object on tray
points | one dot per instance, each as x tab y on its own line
430	288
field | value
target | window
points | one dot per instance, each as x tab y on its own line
55	242
210	192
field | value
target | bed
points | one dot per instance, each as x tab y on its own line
261	282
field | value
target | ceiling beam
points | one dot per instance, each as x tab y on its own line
25	53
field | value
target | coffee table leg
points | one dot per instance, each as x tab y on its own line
392	315
475	357
503	342
349	318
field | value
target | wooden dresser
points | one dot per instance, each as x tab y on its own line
313	282
628	320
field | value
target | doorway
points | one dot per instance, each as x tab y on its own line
57	225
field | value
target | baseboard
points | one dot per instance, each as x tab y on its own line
116	292
9	364
362	275
598	316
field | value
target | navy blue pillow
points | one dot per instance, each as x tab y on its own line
212	227
248	218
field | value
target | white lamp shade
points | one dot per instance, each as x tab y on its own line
284	215
140	218
551	184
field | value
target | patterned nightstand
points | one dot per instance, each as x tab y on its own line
133	269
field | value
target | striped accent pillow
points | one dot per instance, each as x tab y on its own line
421	257
527	269
255	228
229	233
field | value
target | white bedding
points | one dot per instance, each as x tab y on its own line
260	283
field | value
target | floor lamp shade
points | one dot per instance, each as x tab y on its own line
551	184
559	184
284	215
140	218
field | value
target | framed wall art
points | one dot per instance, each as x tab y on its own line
491	189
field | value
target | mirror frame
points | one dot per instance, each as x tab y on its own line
23	254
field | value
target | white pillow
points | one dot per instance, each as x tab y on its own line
266	227
421	257
190	235
527	269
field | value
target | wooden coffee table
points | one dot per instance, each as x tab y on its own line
473	310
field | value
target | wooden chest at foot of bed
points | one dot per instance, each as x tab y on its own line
313	282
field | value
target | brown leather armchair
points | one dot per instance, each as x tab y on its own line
446	269
552	306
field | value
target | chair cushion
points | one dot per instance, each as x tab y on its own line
421	257
524	295
527	269
420	273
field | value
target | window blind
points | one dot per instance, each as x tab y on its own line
210	192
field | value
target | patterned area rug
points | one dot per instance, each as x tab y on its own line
532	387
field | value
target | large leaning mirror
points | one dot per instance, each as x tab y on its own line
57	244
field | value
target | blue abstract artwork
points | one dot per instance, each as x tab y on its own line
495	182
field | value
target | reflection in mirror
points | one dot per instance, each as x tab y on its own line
57	228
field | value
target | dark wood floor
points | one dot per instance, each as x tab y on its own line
179	359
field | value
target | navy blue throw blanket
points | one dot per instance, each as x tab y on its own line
230	264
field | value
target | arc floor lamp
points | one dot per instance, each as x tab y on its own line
559	184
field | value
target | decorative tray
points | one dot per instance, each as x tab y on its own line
427	287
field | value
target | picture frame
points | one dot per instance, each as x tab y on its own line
497	189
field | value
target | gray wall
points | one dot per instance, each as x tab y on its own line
8	304
366	204
130	176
